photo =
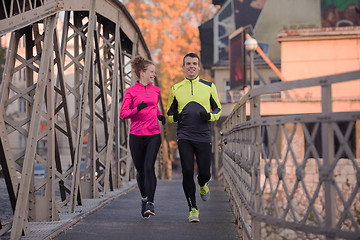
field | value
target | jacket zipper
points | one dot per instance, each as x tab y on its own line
146	91
192	93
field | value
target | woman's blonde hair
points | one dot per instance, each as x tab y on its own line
140	64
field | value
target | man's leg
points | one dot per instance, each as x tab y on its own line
186	152
203	159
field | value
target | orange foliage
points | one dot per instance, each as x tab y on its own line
170	29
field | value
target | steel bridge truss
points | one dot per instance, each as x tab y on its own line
298	172
74	58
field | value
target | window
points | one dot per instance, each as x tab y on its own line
227	91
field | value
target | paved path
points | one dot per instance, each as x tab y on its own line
121	219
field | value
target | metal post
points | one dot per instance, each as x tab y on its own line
252	69
327	134
254	154
251	45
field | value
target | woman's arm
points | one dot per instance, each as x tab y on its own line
126	110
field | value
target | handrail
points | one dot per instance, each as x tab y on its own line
296	84
294	171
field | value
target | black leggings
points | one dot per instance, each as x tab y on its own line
144	150
202	151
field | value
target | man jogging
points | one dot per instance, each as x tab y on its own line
193	104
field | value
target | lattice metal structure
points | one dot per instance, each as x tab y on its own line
299	172
74	57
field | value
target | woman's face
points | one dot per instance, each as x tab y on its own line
148	76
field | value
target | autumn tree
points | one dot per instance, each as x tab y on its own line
170	29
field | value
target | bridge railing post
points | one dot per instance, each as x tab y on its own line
327	135
255	168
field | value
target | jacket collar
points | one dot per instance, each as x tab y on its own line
138	84
193	80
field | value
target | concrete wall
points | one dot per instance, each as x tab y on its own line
285	14
311	53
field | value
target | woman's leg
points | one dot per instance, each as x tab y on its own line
137	148
152	148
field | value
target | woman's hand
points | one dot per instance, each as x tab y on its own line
142	105
162	119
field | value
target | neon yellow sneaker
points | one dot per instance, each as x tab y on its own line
204	191
194	215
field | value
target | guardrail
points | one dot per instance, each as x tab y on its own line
294	174
63	112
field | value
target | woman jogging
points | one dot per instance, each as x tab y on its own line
140	104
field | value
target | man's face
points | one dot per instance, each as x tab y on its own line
191	67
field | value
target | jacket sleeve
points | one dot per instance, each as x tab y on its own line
126	110
214	104
158	110
172	106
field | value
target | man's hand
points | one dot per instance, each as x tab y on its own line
162	119
142	105
178	117
205	116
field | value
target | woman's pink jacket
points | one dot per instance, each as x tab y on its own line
143	122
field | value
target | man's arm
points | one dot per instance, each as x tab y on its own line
172	106
214	104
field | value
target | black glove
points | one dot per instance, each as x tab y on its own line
178	117
162	119
142	105
205	116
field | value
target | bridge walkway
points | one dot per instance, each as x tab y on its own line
120	219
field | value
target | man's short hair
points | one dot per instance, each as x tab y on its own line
192	55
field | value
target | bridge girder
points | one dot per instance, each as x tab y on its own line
75	68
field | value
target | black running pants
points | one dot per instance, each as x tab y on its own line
144	150
202	151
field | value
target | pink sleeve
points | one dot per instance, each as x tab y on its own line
158	111
126	111
158	96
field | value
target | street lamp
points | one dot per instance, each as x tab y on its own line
251	45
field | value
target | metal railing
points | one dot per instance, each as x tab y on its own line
294	173
76	72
